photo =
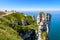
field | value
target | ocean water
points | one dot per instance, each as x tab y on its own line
54	25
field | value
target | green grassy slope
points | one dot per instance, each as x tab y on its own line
7	33
12	32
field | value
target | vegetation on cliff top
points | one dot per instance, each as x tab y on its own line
10	31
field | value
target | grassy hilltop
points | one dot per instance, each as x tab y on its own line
10	31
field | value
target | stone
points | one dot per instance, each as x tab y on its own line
24	22
43	21
33	18
16	22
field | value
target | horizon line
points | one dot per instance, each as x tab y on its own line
31	9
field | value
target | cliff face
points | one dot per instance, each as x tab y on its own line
43	22
14	25
22	27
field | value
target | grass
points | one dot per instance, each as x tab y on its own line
7	33
12	32
44	35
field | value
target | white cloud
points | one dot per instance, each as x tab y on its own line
38	9
33	9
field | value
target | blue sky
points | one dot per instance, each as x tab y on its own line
30	5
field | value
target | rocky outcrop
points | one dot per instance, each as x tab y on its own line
43	22
33	18
24	22
28	34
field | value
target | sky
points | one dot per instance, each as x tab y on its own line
30	5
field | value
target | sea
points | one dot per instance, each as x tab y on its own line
54	33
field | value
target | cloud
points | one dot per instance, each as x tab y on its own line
32	9
39	9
